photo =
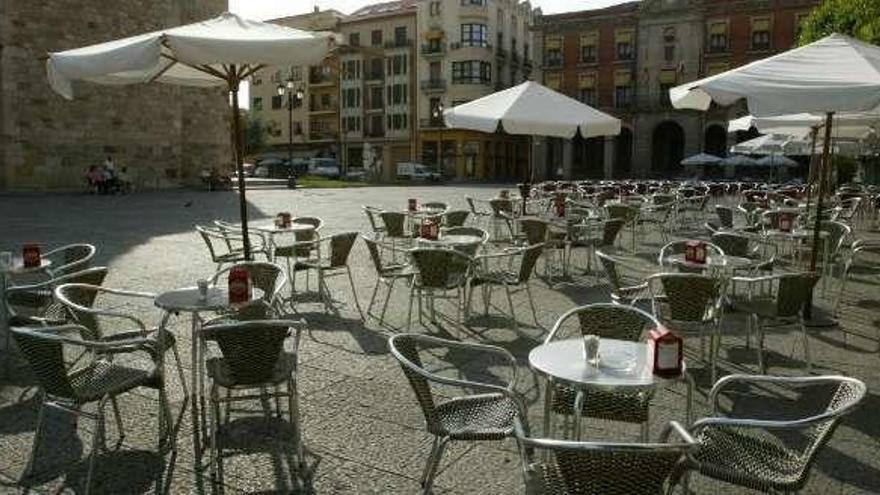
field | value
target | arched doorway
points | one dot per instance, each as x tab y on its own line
623	144
667	149
715	140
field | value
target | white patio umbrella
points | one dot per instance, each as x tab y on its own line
738	161
701	159
846	125
776	161
222	51
832	75
534	110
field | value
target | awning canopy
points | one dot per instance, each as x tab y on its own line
834	74
532	109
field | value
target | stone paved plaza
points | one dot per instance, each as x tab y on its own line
364	432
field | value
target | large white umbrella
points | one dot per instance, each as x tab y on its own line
738	161
834	74
701	159
776	161
221	51
534	110
846	125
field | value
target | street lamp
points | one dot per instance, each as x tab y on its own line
438	117
287	89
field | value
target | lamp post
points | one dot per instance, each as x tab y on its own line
287	89
438	117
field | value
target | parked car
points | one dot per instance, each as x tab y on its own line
248	169
324	167
356	174
417	171
273	168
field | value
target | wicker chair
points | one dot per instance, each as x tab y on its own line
489	415
679	247
269	278
622	290
36	304
607	320
69	259
438	271
371	214
502	217
610	230
386	274
749	452
690	302
99	312
782	300
304	245
512	280
628	214
455	218
479	216
859	251
261	246
395	228
99	381
473	249
252	358
333	262
725	216
223	247
604	468
657	217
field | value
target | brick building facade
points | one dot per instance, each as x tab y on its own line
624	58
163	134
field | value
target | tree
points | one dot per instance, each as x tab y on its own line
255	132
857	18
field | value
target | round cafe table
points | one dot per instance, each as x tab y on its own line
271	229
467	244
729	263
623	365
189	300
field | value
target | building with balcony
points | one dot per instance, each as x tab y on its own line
378	86
469	49
623	60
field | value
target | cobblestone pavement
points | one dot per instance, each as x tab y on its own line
363	429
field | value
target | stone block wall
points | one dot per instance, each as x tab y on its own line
163	134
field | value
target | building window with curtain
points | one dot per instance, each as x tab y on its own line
471	72
257	104
718	37
760	39
553	80
668	79
474	35
589	48
376	37
669	44
623	41
623	90
553	51
276	102
354	39
587	88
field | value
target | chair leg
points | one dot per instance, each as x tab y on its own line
412	290
216	473
354	293
29	470
433	463
293	411
373	297
97	440
807	356
387	298
118	417
532	304
761	364
512	311
180	373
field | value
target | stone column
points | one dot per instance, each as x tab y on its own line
608	162
567	159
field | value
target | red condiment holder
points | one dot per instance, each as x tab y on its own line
30	255
785	223
412	204
667	349
560	205
690	251
429	230
239	285
283	219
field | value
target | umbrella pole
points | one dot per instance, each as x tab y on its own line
824	165
814	133
526	188
239	168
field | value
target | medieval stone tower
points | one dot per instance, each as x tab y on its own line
163	134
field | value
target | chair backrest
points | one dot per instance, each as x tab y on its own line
268	277
91	315
95	276
603	468
70	259
529	259
474	231
501	206
622	212
440	268
371	213
405	349
534	229
216	241
455	218
607	321
472	205
250	349
609	265
793	292
838	233
45	354
394	223
435	205
610	229
725	216
732	244
315	222
690	297
375	256
340	248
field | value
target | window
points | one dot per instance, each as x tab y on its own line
354	39
435	45
325	100
376	126
351	69
473	3
668	79
669	44
553	50
435	71
623	42
471	72
553	80
397	65
433	105
587	88
718	37
400	36
376	37
296	73
376	68
623	90
351	97
257	79
297	127
257	104
761	33
474	35
525	50
434	7
275	77
589	43
376	98
396	94
351	124
276	102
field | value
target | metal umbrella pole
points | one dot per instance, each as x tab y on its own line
824	166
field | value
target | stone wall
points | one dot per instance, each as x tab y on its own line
163	134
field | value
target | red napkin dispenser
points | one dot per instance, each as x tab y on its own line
430	230
667	349
239	285
412	204
283	219
30	255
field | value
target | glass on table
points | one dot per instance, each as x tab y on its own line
591	349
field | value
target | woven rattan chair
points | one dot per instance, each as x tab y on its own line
101	313
781	300
269	278
259	243
628	214
690	302
656	217
480	216
36	304
502	218
612	321
490	271
224	247
725	216
302	246
679	247
623	290
396	228
253	358
604	468
99	381
750	452
605	240
371	213
386	273
455	218
439	272
69	259
472	249
332	261
489	414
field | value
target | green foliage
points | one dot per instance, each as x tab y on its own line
857	18
255	132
